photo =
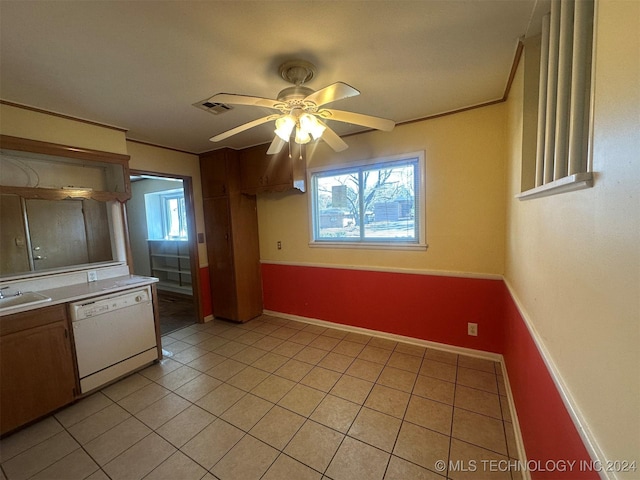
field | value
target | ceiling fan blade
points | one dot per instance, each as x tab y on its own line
234	99
331	93
358	119
242	128
276	146
333	140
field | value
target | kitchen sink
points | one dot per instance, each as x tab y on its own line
22	300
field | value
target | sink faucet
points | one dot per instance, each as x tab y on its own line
3	288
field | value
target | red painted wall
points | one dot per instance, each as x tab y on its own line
437	308
547	429
428	307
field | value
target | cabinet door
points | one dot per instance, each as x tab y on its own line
219	173
260	172
244	221
38	374
220	254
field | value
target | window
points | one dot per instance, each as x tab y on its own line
175	217
166	215
376	203
556	133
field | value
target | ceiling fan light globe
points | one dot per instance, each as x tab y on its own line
309	123
302	136
284	127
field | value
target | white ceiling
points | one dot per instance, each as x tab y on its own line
140	65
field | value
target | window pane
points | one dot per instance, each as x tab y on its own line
173	218
389	202
337	214
183	218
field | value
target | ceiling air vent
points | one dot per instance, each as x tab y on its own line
213	107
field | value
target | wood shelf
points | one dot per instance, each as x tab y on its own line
171	265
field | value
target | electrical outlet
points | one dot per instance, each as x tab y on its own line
472	329
92	276
279	245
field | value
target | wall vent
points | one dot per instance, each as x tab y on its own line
213	107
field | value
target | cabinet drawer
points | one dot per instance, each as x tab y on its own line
32	318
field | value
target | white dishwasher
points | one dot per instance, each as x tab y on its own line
113	334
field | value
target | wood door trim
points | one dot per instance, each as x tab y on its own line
187	185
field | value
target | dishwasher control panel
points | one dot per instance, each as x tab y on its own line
110	303
92	310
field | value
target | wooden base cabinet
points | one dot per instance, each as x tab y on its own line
37	368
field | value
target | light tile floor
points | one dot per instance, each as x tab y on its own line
274	399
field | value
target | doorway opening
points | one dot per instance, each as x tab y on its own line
163	244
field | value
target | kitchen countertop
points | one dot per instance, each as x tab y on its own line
80	291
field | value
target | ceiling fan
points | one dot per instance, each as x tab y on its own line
300	115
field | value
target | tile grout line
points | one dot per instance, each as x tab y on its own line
453	412
404	414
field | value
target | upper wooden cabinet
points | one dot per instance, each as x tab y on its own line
219	171
260	172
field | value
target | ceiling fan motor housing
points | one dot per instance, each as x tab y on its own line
294	95
297	72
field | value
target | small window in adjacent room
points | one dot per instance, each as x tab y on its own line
175	216
378	203
166	215
557	100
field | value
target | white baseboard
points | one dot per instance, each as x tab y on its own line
496	357
522	455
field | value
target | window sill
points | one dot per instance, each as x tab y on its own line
570	183
371	246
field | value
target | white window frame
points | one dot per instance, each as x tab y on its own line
555	103
165	197
420	206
